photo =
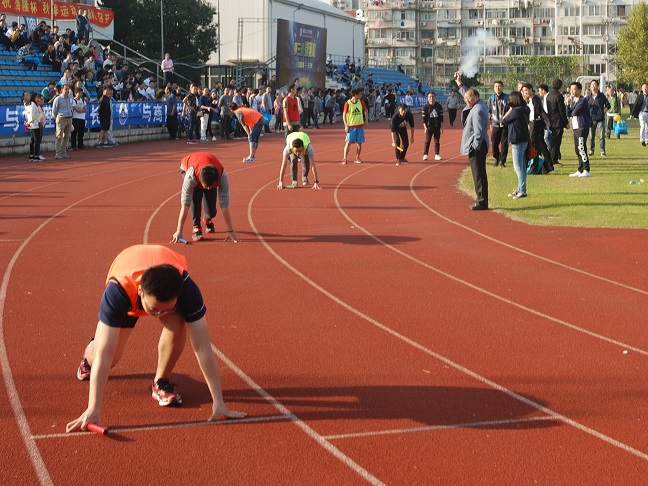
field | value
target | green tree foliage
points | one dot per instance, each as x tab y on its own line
537	70
632	55
190	30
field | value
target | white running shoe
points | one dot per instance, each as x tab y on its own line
437	157
575	174
585	173
425	157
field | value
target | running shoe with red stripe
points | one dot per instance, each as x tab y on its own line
165	393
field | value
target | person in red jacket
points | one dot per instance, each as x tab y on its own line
252	122
203	178
149	280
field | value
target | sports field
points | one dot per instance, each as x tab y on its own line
376	331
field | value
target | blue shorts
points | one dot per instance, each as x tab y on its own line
355	135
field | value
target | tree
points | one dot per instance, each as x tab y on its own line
540	69
190	31
632	56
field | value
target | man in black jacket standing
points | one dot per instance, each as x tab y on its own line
538	120
557	119
599	105
432	120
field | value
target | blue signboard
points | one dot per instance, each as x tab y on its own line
12	117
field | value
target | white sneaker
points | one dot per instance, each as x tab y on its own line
203	139
575	174
425	157
437	157
249	159
213	139
585	173
40	157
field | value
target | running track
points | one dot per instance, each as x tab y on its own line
375	331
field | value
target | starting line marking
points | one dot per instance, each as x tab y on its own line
116	430
427	428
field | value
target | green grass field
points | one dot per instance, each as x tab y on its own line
605	200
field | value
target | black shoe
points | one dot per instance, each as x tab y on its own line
502	164
479	207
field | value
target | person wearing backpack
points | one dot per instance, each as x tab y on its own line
497	107
598	105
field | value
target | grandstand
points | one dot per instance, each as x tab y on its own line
15	78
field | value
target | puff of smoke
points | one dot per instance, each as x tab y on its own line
480	43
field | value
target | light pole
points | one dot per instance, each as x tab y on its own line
355	24
162	28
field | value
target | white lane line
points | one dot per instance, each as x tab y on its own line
184	425
518	249
429	352
477	288
12	391
409	430
321	441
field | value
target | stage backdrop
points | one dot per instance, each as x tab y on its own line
301	53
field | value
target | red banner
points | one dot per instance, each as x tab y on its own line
42	9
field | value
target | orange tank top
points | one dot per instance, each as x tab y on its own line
127	269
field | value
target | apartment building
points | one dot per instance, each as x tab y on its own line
426	37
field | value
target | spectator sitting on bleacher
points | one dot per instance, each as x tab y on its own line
50	59
3	23
89	66
67	61
22	38
110	61
81	49
65	79
54	33
26	56
49	91
122	72
4	40
70	37
150	91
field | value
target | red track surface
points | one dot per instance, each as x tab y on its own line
376	330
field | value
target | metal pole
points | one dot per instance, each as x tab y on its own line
219	35
162	28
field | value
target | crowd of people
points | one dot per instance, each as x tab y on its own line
533	125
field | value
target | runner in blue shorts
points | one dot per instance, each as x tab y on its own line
354	115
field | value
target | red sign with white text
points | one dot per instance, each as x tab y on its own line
42	9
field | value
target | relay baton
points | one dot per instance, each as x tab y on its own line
183	241
97	429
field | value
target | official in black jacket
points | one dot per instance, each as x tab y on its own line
557	119
432	120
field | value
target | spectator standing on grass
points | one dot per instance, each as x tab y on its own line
579	112
516	121
614	110
149	280
474	141
267	107
640	111
538	121
632	98
598	106
557	120
497	106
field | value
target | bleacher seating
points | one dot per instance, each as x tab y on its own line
392	76
15	78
